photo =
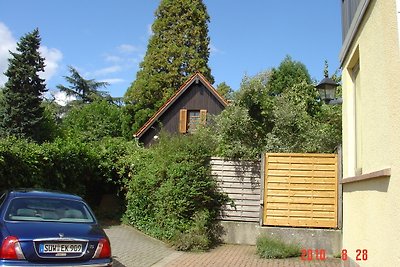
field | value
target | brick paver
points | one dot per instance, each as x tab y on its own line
131	248
242	255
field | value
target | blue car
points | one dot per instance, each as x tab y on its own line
39	228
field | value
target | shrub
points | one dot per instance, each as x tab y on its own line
270	248
93	121
88	169
20	163
171	194
197	236
70	166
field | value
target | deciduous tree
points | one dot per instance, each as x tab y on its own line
277	111
93	121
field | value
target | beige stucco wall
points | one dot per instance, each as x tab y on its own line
398	17
371	208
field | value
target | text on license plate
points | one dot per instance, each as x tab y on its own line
59	248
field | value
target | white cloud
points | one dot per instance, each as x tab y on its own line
149	30
113	80
213	49
113	59
127	48
122	58
52	55
108	70
52	58
7	43
62	98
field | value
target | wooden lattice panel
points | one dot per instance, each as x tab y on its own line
301	190
240	180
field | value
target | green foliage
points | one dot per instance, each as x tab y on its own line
128	113
71	166
22	112
177	49
200	235
234	138
171	194
111	151
256	97
241	128
277	111
1	105
288	73
20	164
225	90
85	168
51	120
85	91
270	248
302	124
93	121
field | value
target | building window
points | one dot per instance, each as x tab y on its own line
190	119
349	8
193	120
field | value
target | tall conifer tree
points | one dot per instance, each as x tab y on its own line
22	114
178	48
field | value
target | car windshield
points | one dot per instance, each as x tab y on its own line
48	209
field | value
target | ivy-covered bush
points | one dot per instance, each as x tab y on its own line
171	194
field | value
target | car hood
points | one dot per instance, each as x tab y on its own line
39	230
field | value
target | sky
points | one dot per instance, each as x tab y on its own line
106	40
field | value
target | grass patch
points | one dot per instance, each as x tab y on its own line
338	255
270	248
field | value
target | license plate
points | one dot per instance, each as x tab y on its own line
60	248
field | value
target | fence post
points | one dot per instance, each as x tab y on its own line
262	172
340	187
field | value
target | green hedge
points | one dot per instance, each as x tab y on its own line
20	164
171	194
70	165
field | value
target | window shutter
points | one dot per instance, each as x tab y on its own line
183	121
203	116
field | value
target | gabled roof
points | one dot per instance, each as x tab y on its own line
194	78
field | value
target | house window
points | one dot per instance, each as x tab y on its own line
349	8
190	119
193	120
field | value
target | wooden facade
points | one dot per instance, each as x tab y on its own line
197	94
301	190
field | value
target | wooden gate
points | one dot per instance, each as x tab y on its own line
300	190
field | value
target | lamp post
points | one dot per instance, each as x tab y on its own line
327	91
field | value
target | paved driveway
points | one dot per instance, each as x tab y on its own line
131	248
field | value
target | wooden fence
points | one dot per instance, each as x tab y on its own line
300	190
241	181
